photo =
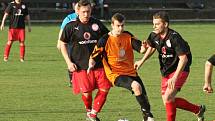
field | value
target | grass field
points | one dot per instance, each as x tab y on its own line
37	90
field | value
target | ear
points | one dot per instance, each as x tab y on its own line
166	24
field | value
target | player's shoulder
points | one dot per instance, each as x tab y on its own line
128	33
174	34
95	20
103	40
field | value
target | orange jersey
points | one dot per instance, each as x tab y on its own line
117	53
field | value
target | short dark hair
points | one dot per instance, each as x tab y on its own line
83	3
118	16
161	15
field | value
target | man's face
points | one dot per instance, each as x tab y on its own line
84	13
17	1
159	26
117	27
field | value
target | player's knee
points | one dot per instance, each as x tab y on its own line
136	87
21	44
168	98
104	90
9	42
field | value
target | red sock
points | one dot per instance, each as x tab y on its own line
7	50
87	102
99	100
170	111
185	105
22	52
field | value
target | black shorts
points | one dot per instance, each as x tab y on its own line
212	60
125	82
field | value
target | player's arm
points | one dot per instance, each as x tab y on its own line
208	74
182	50
64	39
58	41
96	55
71	66
28	19
181	64
149	52
139	46
3	20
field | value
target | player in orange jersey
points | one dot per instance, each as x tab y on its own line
116	48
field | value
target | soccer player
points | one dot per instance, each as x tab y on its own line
71	17
175	59
82	35
208	74
18	12
116	48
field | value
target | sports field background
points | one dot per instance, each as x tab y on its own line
37	90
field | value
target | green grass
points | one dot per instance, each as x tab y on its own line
37	90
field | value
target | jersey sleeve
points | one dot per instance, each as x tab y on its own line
104	29
181	46
136	44
99	48
68	18
67	33
8	9
65	21
26	10
150	39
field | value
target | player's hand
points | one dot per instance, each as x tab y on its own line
29	29
91	65
143	47
207	88
72	67
171	83
138	64
58	45
2	27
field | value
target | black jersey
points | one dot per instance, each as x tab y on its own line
82	39
169	49
212	60
17	14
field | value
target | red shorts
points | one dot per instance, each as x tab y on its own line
16	34
83	82
179	82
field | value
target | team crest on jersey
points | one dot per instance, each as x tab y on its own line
121	53
168	43
87	35
23	6
95	27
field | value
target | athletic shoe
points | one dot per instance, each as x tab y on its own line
21	60
149	119
5	59
91	117
200	115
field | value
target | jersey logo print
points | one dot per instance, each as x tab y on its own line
76	28
19	12
157	42
168	43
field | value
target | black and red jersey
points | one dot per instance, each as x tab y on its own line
82	39
169	48
17	14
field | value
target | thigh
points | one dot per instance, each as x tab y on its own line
179	82
101	80
82	82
